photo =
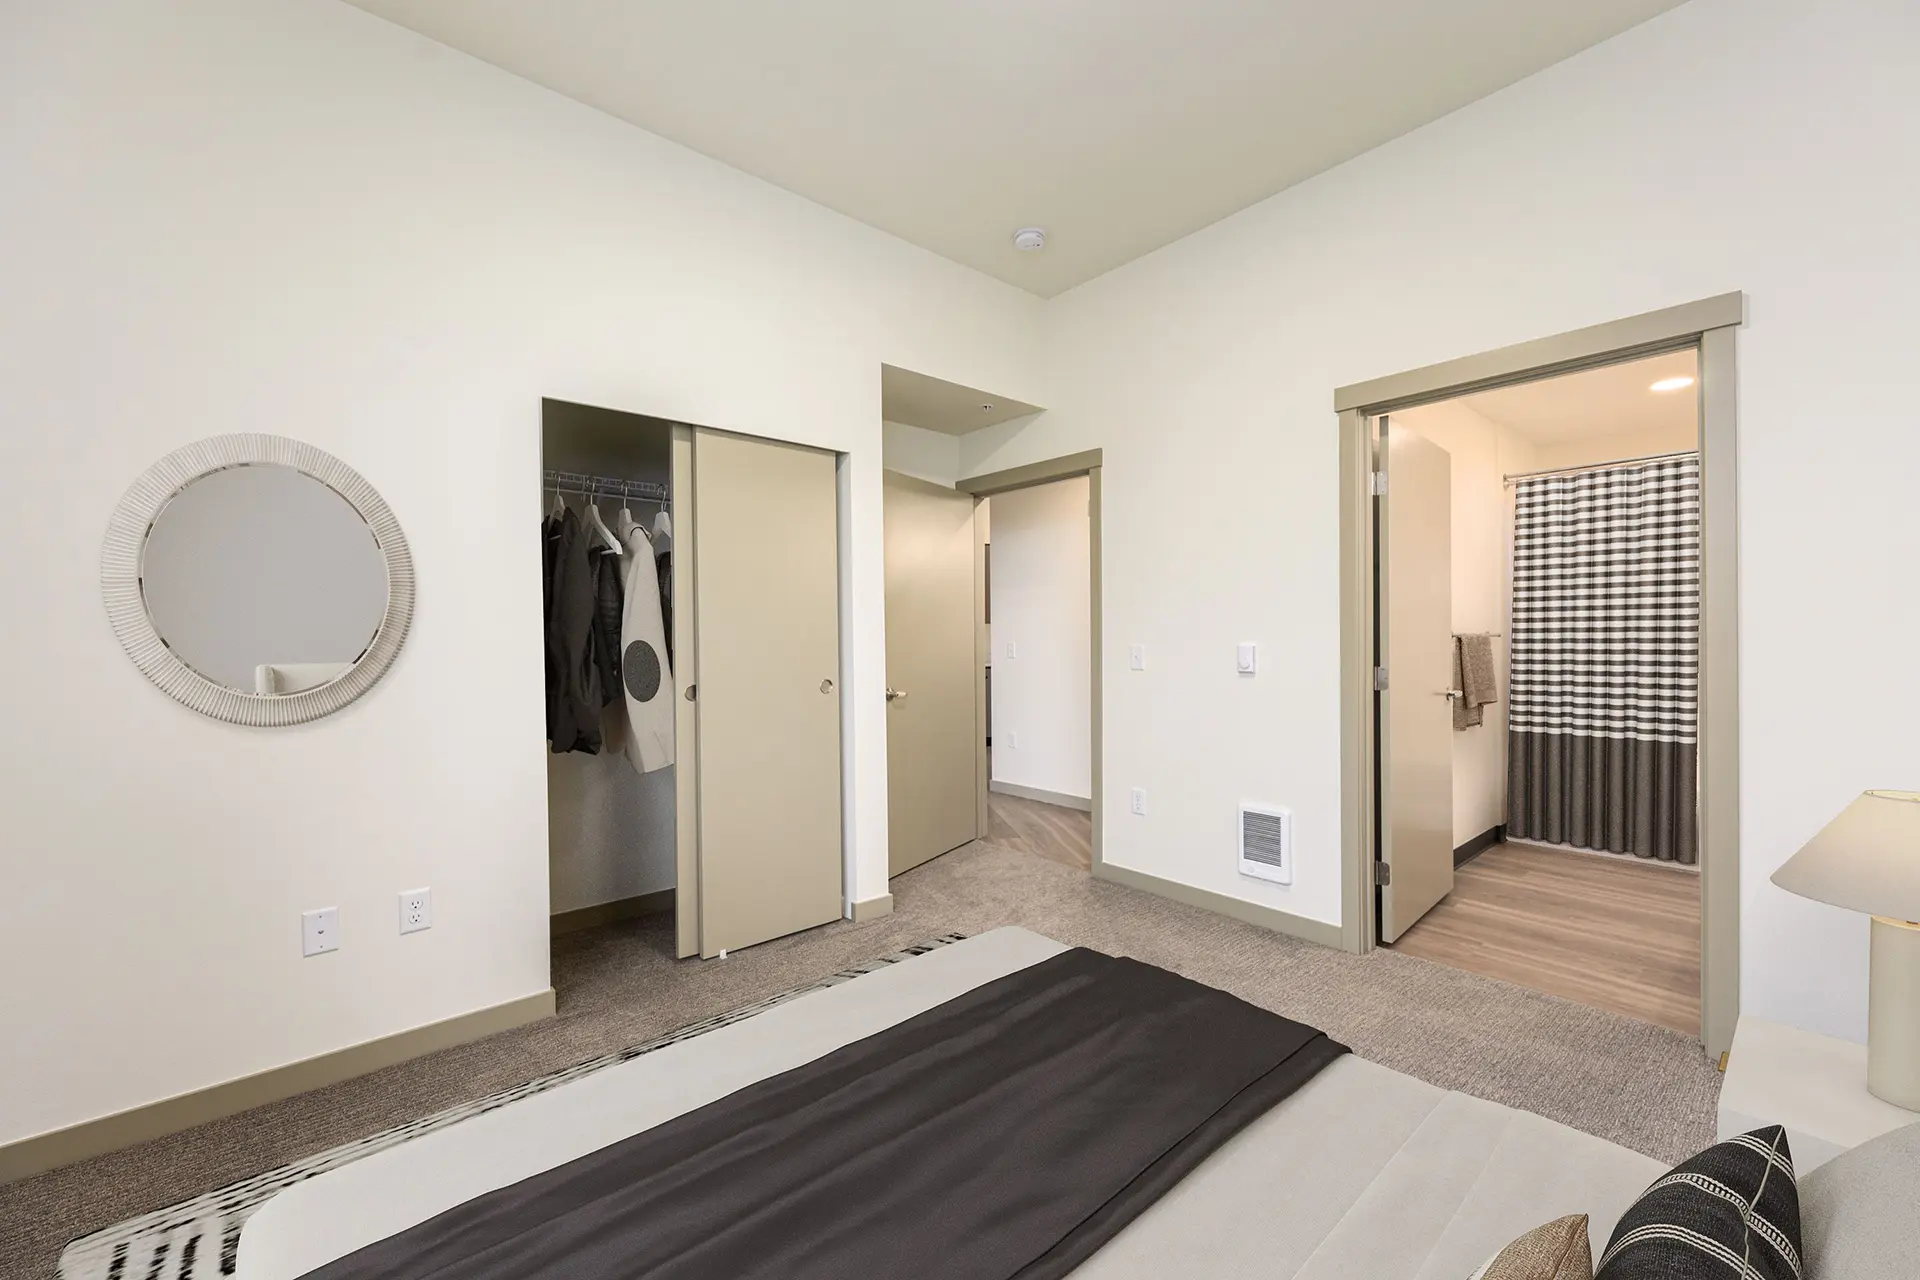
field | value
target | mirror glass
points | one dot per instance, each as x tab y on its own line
263	579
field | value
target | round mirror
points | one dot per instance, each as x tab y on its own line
257	579
264	580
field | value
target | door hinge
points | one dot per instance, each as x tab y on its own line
1379	679
1376	483
1382	873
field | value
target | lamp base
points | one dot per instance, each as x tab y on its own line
1893	1014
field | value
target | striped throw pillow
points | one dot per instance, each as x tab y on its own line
1732	1211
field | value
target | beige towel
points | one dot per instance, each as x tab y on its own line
1473	676
1464	716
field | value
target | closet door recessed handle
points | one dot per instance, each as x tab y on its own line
690	689
826	686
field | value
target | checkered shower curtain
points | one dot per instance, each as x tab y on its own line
1602	744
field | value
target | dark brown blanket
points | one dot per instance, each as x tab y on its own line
1005	1134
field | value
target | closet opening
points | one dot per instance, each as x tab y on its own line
1539	554
607	560
691	611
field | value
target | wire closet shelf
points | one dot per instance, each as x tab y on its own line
591	486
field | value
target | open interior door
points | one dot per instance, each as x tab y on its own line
1415	576
932	729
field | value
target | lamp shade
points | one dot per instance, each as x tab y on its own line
1867	859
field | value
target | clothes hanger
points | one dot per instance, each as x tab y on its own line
663	524
599	526
559	507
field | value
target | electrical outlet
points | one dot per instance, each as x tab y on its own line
1137	657
416	910
1139	799
319	931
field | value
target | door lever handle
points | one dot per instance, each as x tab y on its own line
1449	694
894	694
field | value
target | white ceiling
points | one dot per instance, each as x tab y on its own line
934	404
1117	125
1614	401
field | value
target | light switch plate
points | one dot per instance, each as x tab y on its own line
1137	656
1247	659
416	910
1013	650
319	931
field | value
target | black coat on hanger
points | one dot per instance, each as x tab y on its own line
573	719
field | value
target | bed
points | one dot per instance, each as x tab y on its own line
1360	1171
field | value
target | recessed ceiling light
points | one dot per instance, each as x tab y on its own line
1030	239
1671	384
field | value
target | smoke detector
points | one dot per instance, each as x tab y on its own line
1030	239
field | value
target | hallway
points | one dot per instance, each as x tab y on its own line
1049	831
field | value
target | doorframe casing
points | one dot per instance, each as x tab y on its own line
1708	326
1066	467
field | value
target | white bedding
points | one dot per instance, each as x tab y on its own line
1362	1172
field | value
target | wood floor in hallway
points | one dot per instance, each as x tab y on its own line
1049	831
1610	932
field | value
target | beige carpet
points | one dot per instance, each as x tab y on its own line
1636	1084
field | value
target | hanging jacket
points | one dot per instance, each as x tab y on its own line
646	671
549	559
663	570
571	643
609	596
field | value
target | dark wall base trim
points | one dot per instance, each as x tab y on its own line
1479	844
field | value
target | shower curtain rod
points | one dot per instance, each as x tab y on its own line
1598	466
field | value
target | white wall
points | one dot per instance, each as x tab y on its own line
1482	535
933	456
1043	696
1587	450
289	216
1728	144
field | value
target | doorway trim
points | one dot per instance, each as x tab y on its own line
1708	326
1066	467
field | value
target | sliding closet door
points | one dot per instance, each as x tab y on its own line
767	626
686	732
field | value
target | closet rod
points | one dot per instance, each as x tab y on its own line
611	486
1598	466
